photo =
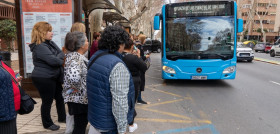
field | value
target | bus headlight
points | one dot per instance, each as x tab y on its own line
168	69
229	70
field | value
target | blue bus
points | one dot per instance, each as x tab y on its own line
199	39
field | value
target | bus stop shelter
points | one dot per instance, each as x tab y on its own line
79	7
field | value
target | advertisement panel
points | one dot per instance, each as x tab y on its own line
59	13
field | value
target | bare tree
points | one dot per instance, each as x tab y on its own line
261	18
250	19
141	10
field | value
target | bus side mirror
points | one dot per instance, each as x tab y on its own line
239	25
156	22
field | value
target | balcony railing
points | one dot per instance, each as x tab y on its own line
7	12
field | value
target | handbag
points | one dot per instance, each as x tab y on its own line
26	102
148	62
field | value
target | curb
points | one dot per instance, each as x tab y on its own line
267	61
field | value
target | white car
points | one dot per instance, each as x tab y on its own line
275	49
244	53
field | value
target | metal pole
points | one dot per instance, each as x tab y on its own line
151	30
278	31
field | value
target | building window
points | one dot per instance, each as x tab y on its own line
244	22
245	14
262	13
272	13
262	4
257	21
271	22
273	5
246	6
270	30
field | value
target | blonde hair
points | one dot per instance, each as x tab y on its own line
142	38
39	32
78	26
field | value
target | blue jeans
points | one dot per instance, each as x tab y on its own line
139	98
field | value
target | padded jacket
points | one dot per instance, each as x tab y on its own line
100	113
48	60
7	105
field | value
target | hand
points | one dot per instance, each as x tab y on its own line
136	52
19	79
148	56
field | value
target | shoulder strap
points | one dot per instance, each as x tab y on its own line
9	73
101	54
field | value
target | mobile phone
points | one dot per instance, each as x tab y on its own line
135	48
17	75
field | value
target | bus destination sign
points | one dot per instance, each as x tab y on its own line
195	9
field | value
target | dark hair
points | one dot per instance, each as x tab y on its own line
128	44
74	41
95	35
112	37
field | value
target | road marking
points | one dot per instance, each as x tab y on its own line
173	121
153	89
275	83
167	113
188	129
161	103
267	61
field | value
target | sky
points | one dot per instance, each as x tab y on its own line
167	1
212	25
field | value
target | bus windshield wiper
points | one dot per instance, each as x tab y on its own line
223	57
176	57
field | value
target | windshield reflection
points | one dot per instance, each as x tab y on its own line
200	37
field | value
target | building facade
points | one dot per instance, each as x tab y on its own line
260	15
7	11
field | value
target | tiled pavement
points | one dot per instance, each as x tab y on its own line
32	124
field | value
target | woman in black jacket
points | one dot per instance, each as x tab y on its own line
142	39
135	64
47	75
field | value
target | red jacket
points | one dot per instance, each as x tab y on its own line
15	87
94	47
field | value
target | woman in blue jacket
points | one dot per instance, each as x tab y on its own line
7	104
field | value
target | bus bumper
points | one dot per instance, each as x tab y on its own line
202	76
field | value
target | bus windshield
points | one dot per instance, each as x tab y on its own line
209	37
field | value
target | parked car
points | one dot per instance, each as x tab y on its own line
267	48
275	49
244	53
250	44
262	46
152	45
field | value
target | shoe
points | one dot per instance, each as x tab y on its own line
132	128
53	127
141	102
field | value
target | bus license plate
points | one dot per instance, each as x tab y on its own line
199	77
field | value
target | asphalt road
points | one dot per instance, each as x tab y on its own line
250	104
266	56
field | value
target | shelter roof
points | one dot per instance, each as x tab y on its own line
90	5
114	16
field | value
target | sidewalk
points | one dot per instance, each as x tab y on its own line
32	124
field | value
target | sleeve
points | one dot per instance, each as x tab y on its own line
73	73
119	86
142	55
43	53
140	64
